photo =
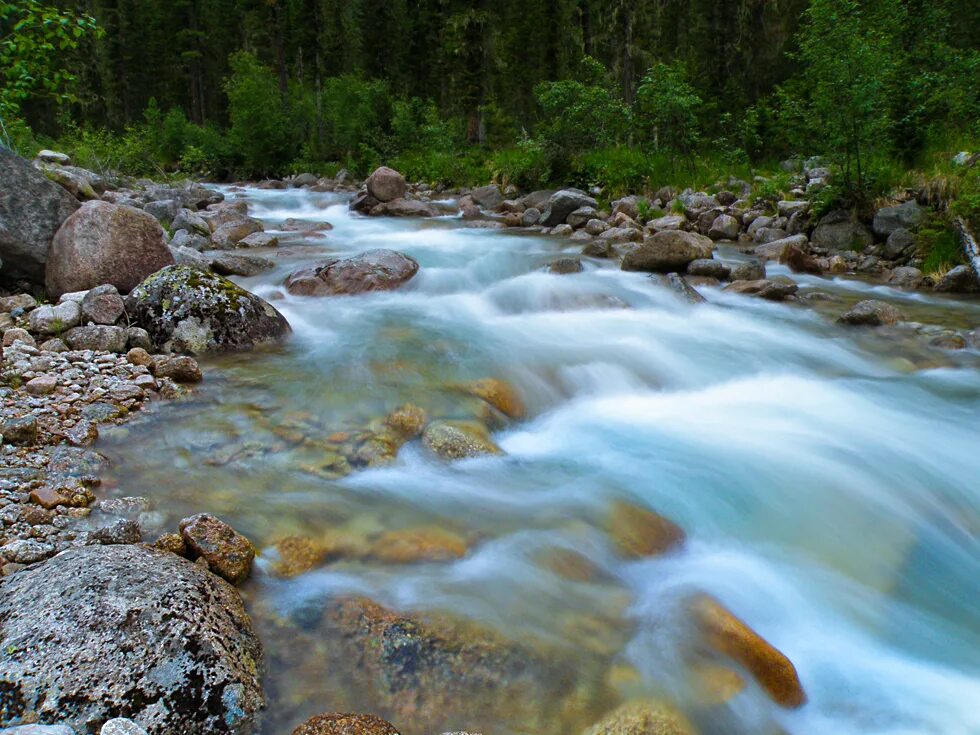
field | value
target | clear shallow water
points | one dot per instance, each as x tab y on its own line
828	479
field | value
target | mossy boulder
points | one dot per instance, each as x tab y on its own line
188	310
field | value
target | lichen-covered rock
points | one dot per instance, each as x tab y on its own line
374	270
105	243
127	631
340	723
458	440
187	310
227	552
32	208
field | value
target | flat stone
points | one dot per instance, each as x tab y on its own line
42	385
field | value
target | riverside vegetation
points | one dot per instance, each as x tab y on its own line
544	372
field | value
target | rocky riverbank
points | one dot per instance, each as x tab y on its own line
135	281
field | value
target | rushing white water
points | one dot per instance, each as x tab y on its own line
828	479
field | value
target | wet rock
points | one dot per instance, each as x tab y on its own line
563	203
172	543
599	249
668	251
774	289
32	209
679	285
187	310
179	368
750	270
407	421
229	264
871	313
386	184
105	243
301	225
363	202
906	277
97	337
229	234
642	718
103	305
799	261
259	240
497	393
126	630
639	532
298	555
452	440
904	216
732	637
565	266
403	207
724	227
337	723
55	319
961	279
374	270
776	249
418	545
227	552
488	197
120	531
709	267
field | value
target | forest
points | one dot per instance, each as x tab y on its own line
622	95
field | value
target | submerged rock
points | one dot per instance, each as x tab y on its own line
732	637
638	532
374	270
871	313
227	552
418	545
642	718
187	310
499	394
127	631
338	723
775	289
458	440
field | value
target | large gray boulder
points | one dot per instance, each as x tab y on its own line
99	632
188	310
840	230
105	243
374	270
563	203
32	208
889	219
386	184
667	252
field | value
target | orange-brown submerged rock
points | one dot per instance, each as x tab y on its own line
498	394
732	637
639	532
340	723
418	545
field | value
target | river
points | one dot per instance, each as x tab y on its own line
828	478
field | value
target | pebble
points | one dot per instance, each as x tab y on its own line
121	726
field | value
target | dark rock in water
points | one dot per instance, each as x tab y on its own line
32	209
776	289
906	277
668	252
638	532
488	197
179	368
599	249
871	313
564	266
386	184
563	203
227	552
709	267
403	207
961	279
127	631
187	310
799	261
230	264
751	270
678	284
339	723
105	243
363	202
374	270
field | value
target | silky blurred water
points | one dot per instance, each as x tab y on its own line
828	478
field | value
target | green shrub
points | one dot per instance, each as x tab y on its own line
259	134
938	245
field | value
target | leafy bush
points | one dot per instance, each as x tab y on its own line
667	109
260	132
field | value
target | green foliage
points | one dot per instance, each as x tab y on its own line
771	190
34	43
526	165
260	131
938	245
667	109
